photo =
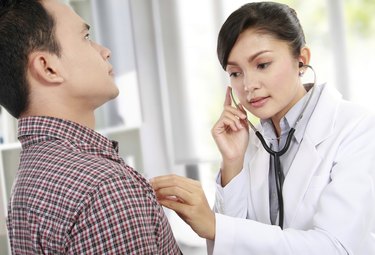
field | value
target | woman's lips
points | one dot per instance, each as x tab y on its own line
259	101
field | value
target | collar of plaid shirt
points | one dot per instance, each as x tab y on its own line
33	130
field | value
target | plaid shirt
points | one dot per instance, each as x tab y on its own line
75	195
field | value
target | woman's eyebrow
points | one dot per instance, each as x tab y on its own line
251	58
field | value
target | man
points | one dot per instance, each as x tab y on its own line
73	193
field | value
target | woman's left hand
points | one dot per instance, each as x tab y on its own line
186	197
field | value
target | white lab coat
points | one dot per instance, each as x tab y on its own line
329	191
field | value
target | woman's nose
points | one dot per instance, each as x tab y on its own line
248	83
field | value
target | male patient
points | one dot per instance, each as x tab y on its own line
73	193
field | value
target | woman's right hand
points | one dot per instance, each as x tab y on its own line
231	134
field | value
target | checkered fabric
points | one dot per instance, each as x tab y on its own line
74	195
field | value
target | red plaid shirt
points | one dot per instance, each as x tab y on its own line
75	195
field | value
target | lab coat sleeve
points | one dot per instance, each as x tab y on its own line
239	236
229	200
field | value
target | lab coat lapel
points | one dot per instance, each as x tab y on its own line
259	168
307	160
298	178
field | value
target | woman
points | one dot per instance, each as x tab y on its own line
310	189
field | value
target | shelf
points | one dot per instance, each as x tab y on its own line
10	146
119	129
105	132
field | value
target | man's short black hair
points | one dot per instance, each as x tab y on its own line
25	26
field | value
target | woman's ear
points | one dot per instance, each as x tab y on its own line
44	68
305	56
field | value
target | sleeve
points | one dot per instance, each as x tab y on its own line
345	215
122	218
229	200
232	200
243	236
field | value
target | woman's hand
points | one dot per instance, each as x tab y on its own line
186	197
231	134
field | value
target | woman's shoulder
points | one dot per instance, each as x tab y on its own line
350	111
345	109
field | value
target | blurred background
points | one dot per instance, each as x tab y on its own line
172	86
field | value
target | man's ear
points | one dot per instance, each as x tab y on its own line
45	68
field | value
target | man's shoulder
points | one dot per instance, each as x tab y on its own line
60	168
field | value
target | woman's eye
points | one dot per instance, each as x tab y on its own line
263	65
234	74
87	37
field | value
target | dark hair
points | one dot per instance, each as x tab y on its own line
278	20
25	26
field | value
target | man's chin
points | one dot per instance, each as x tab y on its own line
109	98
116	93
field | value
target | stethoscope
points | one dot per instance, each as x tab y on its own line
279	176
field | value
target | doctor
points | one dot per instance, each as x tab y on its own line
310	188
